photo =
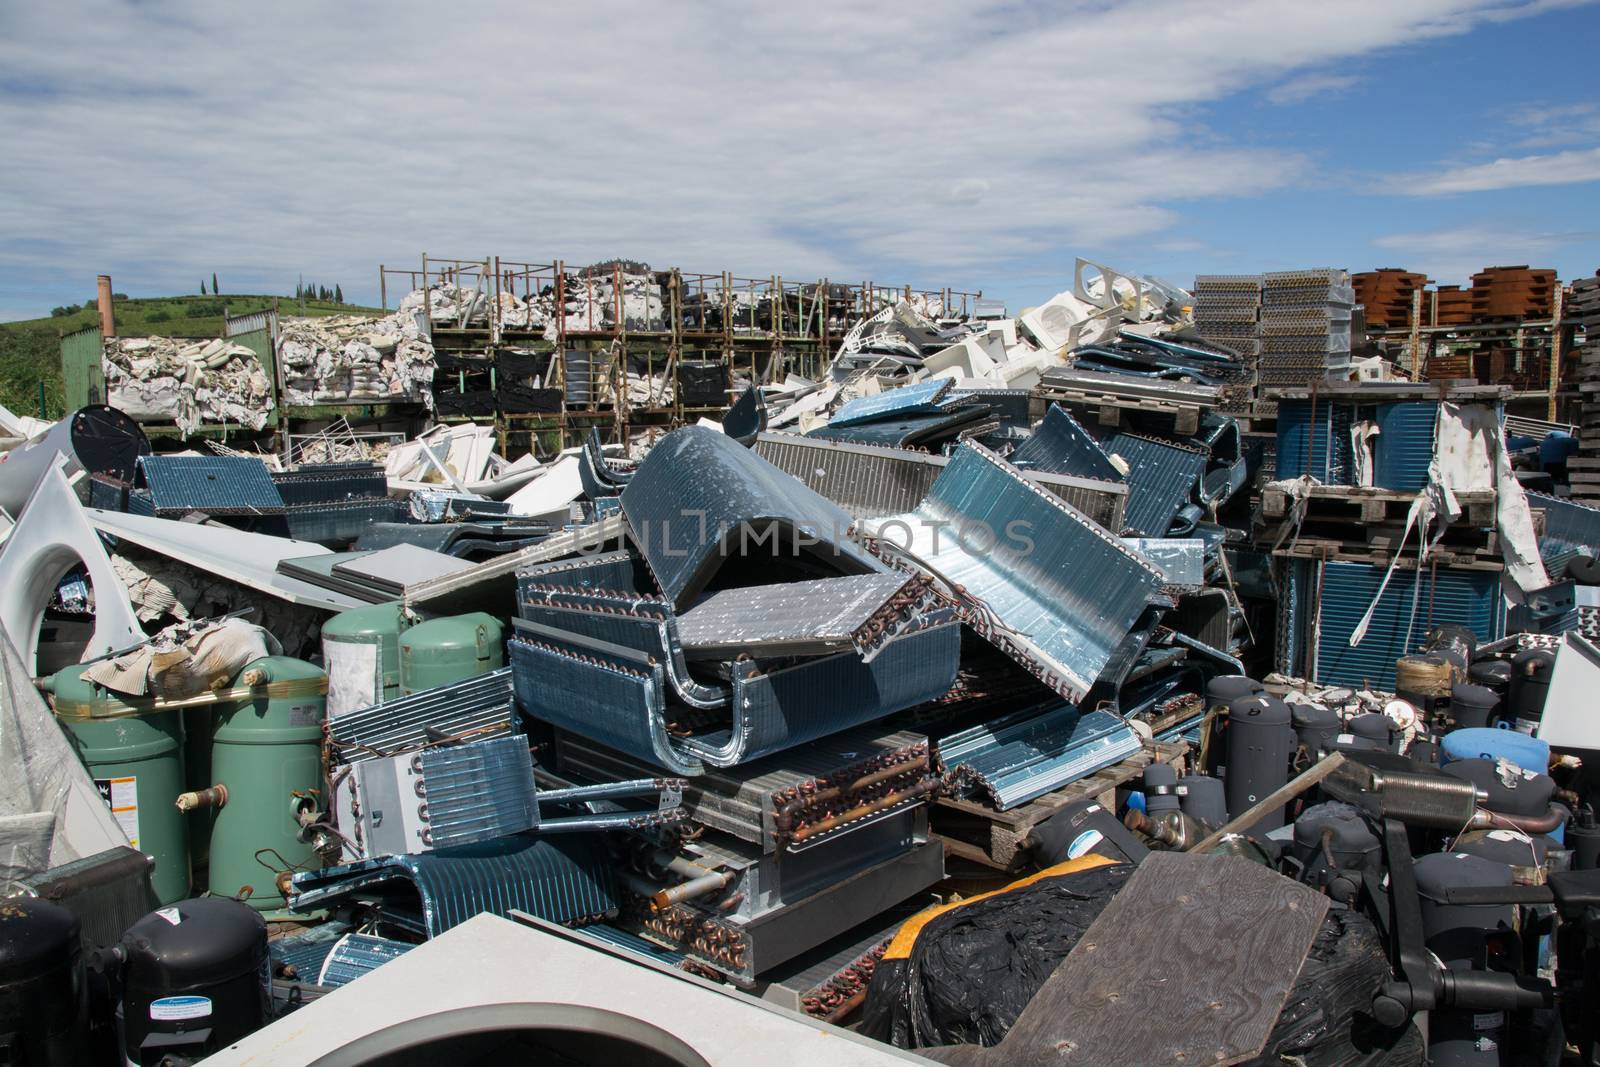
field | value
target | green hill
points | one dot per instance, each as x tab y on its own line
30	350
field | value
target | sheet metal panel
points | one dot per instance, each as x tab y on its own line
1467	598
1161	479
1038	579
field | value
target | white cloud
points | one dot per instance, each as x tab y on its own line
161	141
1452	255
1557	168
1298	90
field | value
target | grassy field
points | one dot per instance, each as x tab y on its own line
30	350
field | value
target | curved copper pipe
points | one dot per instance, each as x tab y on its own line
1528	824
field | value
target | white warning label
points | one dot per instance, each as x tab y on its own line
122	797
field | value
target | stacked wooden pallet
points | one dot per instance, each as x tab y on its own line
1452	306
1512	293
1583	308
1387	294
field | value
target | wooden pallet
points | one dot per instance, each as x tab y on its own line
1345	552
973	830
1365	505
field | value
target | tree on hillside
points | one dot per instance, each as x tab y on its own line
202	287
338	294
215	288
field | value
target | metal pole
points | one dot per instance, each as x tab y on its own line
383	288
1555	350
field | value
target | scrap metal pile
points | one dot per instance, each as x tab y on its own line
966	697
157	379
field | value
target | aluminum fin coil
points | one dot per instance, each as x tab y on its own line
565	880
1033	575
697	490
813	618
1024	756
1162	477
355	955
1059	445
482	707
479	792
922	398
617	696
872	482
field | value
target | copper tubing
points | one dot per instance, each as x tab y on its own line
887	801
710	882
786	814
1528	824
848	1005
215	797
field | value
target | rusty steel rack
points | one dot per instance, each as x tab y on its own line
757	328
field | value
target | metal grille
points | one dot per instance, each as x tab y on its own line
1161	479
482	707
217	485
871	482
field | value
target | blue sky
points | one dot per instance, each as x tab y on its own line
977	146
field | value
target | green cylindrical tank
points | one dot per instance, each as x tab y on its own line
136	760
361	648
198	724
441	651
267	753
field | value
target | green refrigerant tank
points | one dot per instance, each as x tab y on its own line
450	649
266	753
361	648
135	757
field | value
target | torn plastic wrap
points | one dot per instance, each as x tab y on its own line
155	379
345	358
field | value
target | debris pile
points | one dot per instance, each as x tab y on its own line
191	383
991	693
345	359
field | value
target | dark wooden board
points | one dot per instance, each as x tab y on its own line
1188	965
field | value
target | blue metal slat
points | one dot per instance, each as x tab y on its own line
1404	446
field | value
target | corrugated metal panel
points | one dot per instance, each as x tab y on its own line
920	398
1040	581
217	485
1060	446
249	322
1404	446
1467	598
567	879
697	486
1161	479
1570	528
872	482
83	372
